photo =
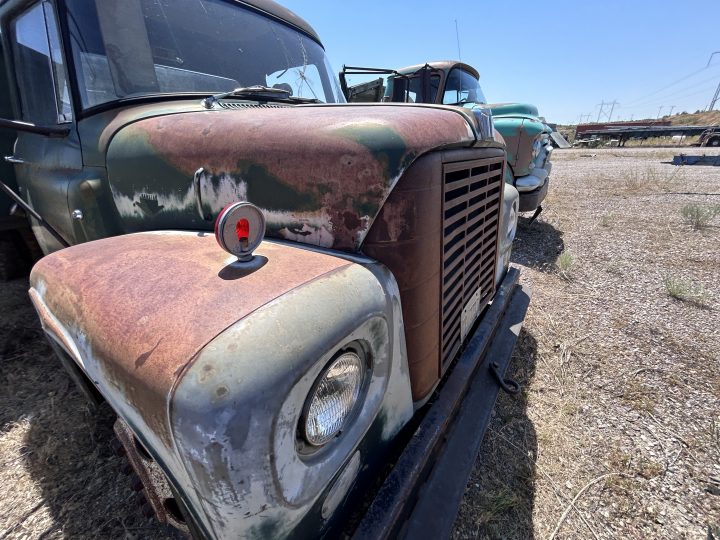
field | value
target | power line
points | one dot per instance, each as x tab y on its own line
681	79
692	86
662	101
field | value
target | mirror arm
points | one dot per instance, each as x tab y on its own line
49	131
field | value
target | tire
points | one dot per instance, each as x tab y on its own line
715	141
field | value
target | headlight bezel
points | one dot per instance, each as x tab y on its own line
305	448
512	222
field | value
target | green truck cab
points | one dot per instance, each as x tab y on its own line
525	133
300	310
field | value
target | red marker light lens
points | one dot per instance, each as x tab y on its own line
239	229
242	229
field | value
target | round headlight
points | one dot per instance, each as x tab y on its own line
333	398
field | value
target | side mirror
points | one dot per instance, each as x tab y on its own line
48	131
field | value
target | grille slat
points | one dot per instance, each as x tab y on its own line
472	192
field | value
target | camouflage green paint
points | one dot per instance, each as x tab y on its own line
320	173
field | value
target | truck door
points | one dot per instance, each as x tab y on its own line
43	165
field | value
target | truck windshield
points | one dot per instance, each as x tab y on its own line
461	87
136	48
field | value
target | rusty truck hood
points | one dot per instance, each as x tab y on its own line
320	173
134	310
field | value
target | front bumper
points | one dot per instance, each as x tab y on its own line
421	495
530	200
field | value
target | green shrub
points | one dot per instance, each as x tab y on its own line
697	216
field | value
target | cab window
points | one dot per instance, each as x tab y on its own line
39	68
461	87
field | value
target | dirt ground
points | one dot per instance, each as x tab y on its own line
616	435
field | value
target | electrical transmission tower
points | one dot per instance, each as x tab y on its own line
716	96
602	112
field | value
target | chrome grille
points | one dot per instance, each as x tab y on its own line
472	198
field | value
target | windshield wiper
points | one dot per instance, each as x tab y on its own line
257	91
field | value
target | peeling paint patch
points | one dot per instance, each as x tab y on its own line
337	164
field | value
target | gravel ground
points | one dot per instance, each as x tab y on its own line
617	434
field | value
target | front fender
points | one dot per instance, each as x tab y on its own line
520	134
236	410
208	363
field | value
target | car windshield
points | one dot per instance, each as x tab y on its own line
462	87
137	48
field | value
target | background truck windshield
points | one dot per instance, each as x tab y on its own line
136	48
461	87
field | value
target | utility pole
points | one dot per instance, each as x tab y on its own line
671	110
660	109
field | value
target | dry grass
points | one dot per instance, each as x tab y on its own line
621	378
662	142
684	290
565	264
699	216
58	476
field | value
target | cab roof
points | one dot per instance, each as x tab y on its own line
445	65
279	12
269	7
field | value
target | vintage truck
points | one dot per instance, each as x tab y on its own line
327	360
18	248
525	133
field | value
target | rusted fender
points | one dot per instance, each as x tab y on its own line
210	364
136	309
320	173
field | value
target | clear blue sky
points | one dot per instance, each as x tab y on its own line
565	56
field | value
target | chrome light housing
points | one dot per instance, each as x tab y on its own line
485	123
333	398
512	222
537	147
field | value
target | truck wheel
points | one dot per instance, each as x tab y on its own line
11	264
715	141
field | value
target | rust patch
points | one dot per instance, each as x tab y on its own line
147	303
327	167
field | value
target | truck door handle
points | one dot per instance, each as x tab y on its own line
13	159
198	194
